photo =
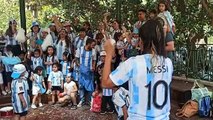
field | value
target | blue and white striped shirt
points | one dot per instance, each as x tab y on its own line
107	92
65	67
75	73
8	68
86	57
50	59
78	43
61	47
18	86
56	78
38	79
120	98
36	62
149	80
11	40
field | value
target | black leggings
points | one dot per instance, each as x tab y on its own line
107	100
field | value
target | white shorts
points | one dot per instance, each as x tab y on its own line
35	90
1	79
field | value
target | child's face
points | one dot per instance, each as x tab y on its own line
64	57
152	15
21	56
68	79
36	54
141	16
162	7
55	68
39	72
102	58
100	70
50	51
35	29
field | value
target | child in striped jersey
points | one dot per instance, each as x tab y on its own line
3	92
20	98
56	79
37	79
65	64
75	70
120	99
49	60
37	59
106	96
8	68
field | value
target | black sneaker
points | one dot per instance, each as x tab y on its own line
103	112
74	107
110	111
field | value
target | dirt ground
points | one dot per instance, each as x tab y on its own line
49	112
55	112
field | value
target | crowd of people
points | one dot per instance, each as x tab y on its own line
73	65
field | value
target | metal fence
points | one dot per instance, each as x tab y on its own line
194	63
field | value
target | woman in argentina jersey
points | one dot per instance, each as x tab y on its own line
149	75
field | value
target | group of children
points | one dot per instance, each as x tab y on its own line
58	69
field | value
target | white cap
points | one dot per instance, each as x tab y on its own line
18	70
46	30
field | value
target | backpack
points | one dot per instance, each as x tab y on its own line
189	109
205	107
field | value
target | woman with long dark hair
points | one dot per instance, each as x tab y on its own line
149	75
10	36
62	44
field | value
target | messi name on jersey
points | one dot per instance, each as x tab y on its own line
158	69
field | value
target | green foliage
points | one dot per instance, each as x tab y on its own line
189	15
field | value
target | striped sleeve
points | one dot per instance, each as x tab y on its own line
123	72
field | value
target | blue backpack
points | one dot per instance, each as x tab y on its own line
205	106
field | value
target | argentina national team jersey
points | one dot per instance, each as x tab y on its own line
120	99
50	59
8	68
38	79
56	78
11	40
36	62
148	86
107	92
75	72
78	43
61	48
86	57
65	67
19	87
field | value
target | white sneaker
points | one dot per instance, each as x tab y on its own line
40	104
33	106
48	91
80	104
4	92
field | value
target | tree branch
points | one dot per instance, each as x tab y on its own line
205	5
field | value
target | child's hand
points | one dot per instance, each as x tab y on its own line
60	94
